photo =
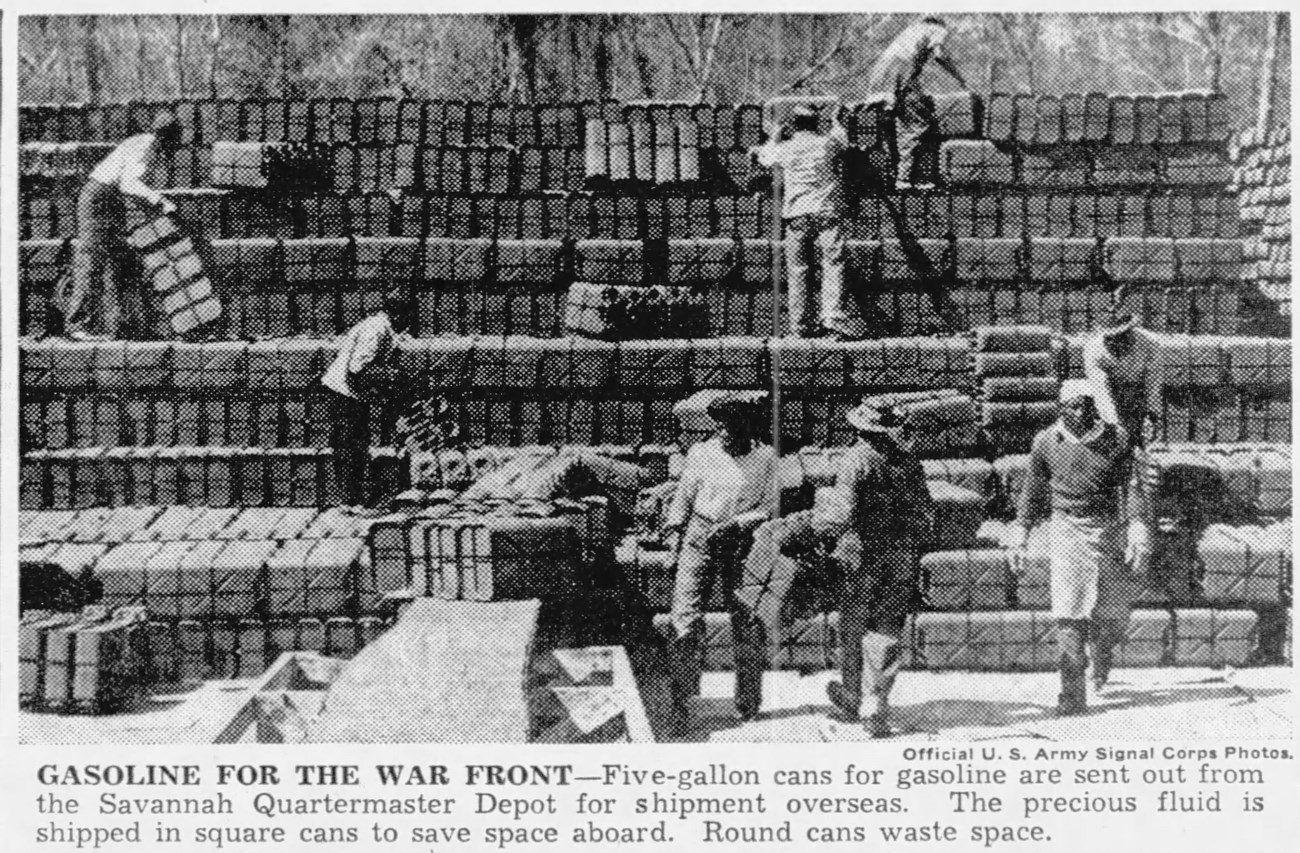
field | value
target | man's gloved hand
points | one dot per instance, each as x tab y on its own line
166	206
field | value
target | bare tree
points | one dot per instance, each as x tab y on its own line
178	54
519	33
1020	33
94	89
214	57
702	49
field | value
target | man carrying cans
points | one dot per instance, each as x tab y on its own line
879	516
899	70
1118	361
92	305
362	375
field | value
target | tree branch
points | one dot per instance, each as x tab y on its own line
820	65
706	73
681	42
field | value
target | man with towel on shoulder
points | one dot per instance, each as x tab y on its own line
1079	476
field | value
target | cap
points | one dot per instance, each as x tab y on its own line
736	406
1118	324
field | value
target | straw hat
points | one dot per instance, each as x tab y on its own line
873	418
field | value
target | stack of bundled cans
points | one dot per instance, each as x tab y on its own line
177	275
91	662
1015	370
1263	182
614	313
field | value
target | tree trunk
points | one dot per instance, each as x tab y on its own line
143	89
90	47
602	59
179	47
1214	26
214	58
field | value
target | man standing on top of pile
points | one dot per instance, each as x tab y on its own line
92	305
813	208
362	375
1117	361
899	70
1079	476
879	516
728	488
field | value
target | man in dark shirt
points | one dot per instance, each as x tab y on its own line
1118	361
1079	473
880	515
899	70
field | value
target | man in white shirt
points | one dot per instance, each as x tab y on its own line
361	375
101	211
899	70
727	488
813	209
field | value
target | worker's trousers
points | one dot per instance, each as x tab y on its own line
92	304
350	440
806	238
877	598
914	119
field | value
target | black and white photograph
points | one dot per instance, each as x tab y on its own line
653	378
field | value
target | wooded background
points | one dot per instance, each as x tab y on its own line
723	58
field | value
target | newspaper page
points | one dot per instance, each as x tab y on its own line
646	429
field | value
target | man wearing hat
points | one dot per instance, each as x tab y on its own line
813	210
1118	361
1079	477
899	70
361	375
91	307
879	515
727	488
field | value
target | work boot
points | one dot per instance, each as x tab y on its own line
846	701
882	658
685	670
1073	699
751	661
1106	634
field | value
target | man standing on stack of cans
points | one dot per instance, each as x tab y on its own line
101	247
1079	476
813	209
363	374
899	70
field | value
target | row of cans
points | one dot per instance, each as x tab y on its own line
1099	118
1014	640
220	214
985	163
89	663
